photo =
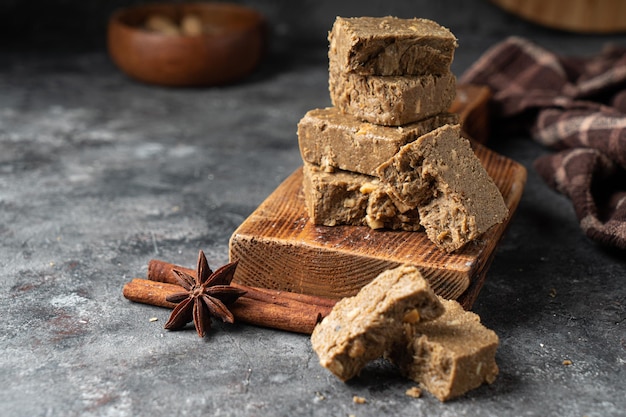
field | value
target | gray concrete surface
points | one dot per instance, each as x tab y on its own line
99	174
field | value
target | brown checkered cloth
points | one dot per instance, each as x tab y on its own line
576	106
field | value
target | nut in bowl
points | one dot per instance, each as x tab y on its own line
187	44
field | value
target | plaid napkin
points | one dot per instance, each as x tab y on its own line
576	106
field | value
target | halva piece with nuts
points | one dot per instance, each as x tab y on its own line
391	46
330	138
440	175
391	100
336	197
362	328
450	355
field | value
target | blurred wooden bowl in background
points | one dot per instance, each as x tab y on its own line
187	44
580	16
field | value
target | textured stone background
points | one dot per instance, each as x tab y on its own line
99	174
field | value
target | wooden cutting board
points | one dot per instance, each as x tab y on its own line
279	248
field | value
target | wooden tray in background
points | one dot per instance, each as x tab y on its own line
279	248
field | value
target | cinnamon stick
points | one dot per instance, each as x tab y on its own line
162	271
256	307
150	292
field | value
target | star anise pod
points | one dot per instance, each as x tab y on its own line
207	295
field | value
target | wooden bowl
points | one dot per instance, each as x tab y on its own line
229	47
580	16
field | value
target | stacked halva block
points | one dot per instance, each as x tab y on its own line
388	155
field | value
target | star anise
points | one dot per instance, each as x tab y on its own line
207	295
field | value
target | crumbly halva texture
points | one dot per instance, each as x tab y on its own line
335	197
331	138
450	355
391	100
391	46
383	213
440	175
362	328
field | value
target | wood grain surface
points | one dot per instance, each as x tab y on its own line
279	248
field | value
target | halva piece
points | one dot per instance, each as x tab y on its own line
328	137
362	328
464	201
391	100
450	355
335	197
391	46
